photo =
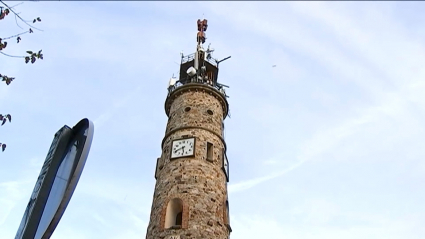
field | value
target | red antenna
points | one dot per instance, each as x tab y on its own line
202	28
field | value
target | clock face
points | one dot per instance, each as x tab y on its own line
183	148
225	166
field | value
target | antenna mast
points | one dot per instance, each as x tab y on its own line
200	38
202	28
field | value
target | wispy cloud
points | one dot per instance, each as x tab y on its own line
115	106
370	226
245	185
14	191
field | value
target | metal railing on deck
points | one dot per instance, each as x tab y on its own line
217	86
191	57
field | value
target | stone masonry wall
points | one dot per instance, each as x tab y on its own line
201	184
199	103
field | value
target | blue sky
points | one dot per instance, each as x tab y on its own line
326	145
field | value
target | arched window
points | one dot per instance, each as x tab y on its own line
174	214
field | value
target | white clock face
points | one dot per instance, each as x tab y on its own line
183	147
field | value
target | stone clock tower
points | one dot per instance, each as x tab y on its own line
190	199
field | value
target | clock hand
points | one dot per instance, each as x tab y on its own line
175	151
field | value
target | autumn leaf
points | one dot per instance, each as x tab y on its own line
39	55
4	13
8	79
3	45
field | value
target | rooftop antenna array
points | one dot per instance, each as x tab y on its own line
199	67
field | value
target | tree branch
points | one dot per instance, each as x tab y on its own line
16	5
16	14
5	38
16	21
11	55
